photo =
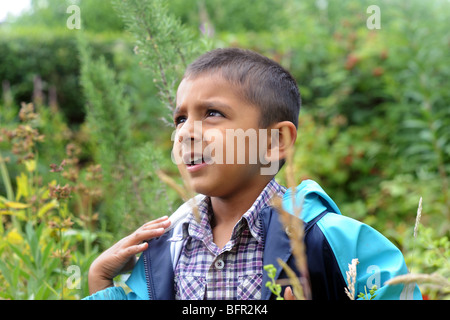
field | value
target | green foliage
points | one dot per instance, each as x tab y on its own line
54	61
368	296
230	15
429	253
96	16
36	234
107	108
128	166
162	43
34	267
272	285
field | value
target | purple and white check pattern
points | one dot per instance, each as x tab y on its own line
204	271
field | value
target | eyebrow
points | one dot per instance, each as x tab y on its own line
205	105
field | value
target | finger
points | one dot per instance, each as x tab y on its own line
288	294
162	224
141	235
133	250
154	225
161	219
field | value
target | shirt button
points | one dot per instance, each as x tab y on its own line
219	264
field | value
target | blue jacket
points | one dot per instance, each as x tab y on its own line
332	241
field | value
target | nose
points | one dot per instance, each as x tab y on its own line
188	138
190	132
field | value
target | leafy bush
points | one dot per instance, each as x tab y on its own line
45	62
128	166
36	233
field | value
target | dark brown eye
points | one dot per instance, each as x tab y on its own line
180	119
214	113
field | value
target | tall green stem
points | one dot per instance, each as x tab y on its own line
6	180
8	187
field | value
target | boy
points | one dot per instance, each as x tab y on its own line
221	253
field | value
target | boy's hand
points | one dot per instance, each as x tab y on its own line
121	257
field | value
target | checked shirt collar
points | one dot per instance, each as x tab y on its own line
201	230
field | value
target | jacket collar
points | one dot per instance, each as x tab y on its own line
312	199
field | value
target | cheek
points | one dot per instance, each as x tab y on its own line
175	138
176	153
214	150
245	147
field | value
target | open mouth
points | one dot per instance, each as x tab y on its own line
194	162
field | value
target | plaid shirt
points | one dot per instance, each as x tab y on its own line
204	271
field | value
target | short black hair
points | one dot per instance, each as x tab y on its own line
261	81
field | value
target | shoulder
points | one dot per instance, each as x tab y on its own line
163	252
379	259
350	239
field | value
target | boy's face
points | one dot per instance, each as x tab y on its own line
210	118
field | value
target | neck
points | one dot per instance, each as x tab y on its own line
229	209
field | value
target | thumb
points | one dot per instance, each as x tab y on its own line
288	294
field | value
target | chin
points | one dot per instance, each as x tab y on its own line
208	187
204	188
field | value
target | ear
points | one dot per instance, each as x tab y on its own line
283	135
